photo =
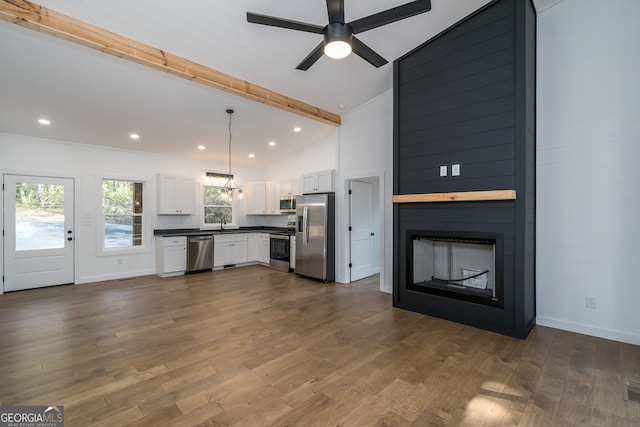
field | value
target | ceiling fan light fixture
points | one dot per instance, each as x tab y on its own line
337	49
337	40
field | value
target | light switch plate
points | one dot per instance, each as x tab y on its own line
455	170
443	171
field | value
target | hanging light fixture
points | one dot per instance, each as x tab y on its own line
230	185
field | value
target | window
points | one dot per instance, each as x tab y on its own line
218	205
122	210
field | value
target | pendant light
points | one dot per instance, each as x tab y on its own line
230	185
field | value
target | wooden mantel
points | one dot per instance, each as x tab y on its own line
39	18
464	196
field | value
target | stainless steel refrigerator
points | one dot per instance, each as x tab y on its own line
315	236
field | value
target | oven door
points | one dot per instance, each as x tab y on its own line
279	252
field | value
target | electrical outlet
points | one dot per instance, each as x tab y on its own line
455	170
592	302
443	171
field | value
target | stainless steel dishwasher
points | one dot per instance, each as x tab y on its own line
199	253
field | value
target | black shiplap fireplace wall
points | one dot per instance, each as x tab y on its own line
467	97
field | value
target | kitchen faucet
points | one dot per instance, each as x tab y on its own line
222	221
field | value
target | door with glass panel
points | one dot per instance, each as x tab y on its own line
38	232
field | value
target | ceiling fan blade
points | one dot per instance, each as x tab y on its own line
390	15
366	53
256	18
336	11
311	58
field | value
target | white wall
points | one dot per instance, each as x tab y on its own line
319	156
366	150
588	191
87	164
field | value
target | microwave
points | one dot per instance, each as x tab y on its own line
288	204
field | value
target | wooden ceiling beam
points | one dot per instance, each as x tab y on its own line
50	22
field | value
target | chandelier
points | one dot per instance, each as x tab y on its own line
230	185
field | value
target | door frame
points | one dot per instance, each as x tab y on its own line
77	181
380	176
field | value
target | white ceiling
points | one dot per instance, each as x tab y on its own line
92	97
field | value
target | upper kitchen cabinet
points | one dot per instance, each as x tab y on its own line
263	198
176	195
319	182
255	200
272	201
290	187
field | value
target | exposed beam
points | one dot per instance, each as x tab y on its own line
464	196
50	22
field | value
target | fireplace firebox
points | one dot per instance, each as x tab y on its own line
460	265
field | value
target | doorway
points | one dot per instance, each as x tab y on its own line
38	224
364	228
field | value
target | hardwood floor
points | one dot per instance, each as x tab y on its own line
258	347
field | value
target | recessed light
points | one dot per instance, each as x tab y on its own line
201	147
297	129
44	121
252	155
134	136
342	106
272	144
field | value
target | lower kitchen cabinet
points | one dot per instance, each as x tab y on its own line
263	248
292	252
230	249
171	256
258	247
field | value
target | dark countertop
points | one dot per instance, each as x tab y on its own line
210	231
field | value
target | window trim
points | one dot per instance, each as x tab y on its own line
145	247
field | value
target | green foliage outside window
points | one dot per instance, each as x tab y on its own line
218	205
42	198
122	208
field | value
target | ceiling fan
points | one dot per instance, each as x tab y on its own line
339	40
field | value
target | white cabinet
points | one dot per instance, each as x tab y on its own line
230	249
263	248
258	247
252	247
290	187
273	198
292	252
176	195
171	256
318	182
263	198
256	193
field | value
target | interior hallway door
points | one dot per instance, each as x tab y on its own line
361	229
38	231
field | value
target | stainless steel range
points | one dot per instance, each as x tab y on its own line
279	252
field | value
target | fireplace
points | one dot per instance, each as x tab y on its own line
459	265
464	156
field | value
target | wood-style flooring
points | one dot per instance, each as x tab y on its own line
257	347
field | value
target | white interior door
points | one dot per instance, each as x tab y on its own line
38	231
361	229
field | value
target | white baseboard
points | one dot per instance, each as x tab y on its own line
588	330
105	277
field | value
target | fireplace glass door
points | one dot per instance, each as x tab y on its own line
456	267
